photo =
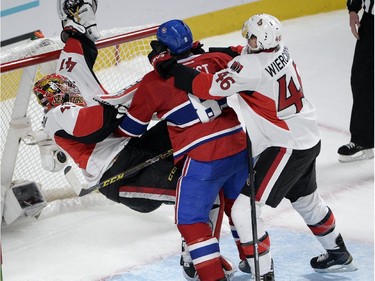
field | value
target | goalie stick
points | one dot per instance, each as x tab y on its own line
122	97
73	179
126	173
254	226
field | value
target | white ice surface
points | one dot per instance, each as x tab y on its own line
97	242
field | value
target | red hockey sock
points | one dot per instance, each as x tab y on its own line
204	250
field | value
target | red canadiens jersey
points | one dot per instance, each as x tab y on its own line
271	98
206	130
70	126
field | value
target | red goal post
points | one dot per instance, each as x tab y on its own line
122	59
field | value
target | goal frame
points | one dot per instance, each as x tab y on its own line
101	43
20	124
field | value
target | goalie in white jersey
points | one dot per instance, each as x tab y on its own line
83	128
282	125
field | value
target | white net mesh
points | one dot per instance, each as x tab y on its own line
118	64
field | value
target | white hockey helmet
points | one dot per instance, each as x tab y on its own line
267	30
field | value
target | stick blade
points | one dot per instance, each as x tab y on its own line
73	180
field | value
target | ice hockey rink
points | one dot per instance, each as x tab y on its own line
110	242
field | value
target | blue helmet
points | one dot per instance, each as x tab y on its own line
176	35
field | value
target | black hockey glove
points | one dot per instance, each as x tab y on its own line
232	51
161	60
197	48
156	49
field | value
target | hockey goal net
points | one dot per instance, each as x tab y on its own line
122	59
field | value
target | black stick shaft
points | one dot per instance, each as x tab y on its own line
126	173
254	224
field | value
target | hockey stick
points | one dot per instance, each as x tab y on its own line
254	225
126	173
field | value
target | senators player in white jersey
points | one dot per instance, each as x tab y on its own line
281	123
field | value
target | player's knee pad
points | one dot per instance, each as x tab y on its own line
241	216
311	207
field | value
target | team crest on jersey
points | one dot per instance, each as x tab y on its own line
236	66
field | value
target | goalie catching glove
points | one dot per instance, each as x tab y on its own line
78	18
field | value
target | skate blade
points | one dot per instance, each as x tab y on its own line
360	155
338	268
229	276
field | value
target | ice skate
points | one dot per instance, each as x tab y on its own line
244	267
337	260
353	152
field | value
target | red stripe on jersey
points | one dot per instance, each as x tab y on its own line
80	152
92	113
147	190
265	107
270	173
73	45
184	171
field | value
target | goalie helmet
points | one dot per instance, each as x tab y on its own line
176	35
54	90
267	30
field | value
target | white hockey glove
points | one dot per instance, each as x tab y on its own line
34	137
78	17
53	159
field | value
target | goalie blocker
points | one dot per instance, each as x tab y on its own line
24	198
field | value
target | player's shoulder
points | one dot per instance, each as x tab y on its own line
152	82
151	77
217	55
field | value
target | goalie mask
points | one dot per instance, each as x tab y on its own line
267	30
54	90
